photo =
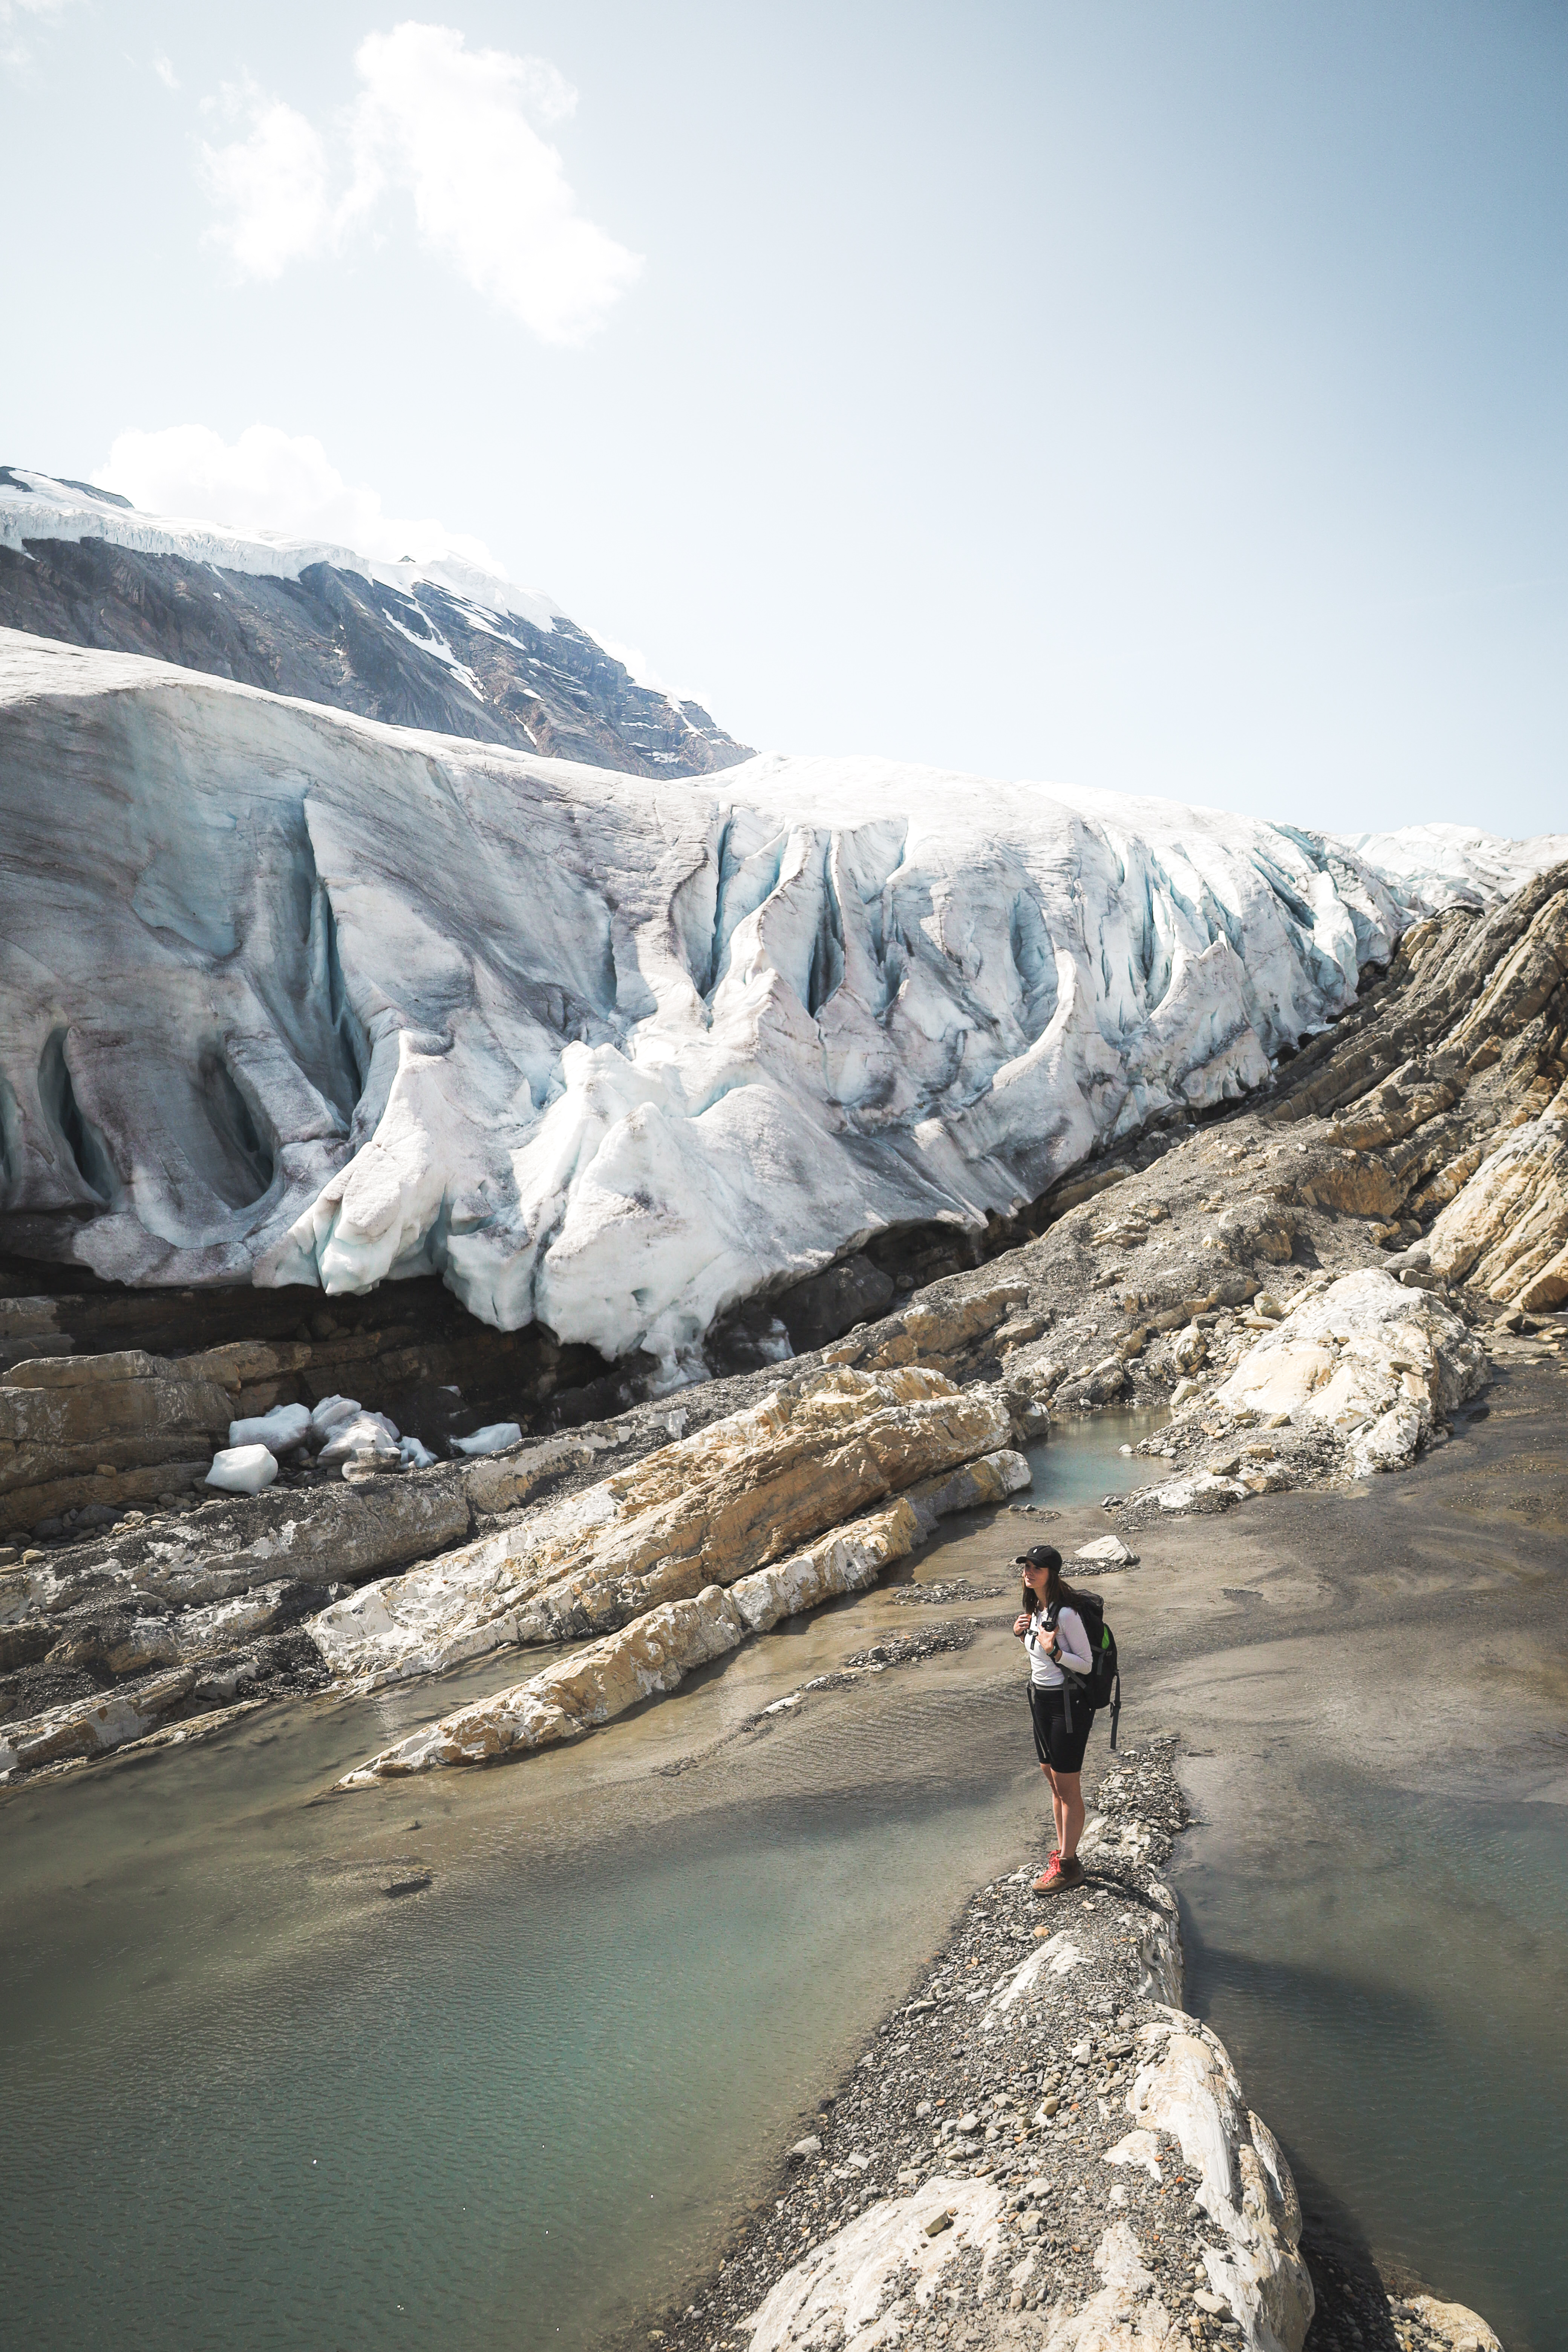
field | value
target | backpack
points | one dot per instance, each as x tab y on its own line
1101	1686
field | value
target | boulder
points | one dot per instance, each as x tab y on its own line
741	1492
1357	1184
1190	1350
1403	1102
1350	1354
1104	1553
1453	2324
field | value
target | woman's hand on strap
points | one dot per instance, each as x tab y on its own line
1020	1625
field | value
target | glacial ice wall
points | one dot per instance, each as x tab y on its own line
289	996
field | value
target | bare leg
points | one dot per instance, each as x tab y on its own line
1058	1807
1067	1794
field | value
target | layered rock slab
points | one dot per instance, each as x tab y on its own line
654	1654
1507	1230
742	1491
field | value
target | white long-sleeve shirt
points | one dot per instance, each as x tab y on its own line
1072	1642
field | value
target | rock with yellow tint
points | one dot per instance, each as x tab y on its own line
650	1657
654	1654
743	1491
1453	2324
1367	1357
938	1329
1507	1231
1394	1109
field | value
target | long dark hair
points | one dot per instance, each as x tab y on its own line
1058	1595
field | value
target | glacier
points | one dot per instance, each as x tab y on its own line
291	996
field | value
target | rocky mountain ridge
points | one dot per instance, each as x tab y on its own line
445	647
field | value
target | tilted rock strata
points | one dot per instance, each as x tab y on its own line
654	1653
1187	2087
741	1492
1507	1230
1449	1098
62	1417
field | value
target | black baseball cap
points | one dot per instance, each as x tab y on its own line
1039	1556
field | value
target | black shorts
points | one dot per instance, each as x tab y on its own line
1054	1744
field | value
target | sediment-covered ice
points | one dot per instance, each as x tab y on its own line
289	996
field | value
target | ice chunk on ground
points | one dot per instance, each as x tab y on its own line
494	1438
367	1433
242	1469
333	1413
286	1426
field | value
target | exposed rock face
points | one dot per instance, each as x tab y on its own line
65	1420
1187	2087
1506	1229
445	647
744	1492
841	2296
1365	1357
1427	1083
654	1653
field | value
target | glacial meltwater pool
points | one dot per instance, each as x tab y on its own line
1403	2023
254	2100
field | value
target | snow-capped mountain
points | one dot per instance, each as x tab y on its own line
1430	867
440	645
290	996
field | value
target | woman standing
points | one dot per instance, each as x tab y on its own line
1052	1633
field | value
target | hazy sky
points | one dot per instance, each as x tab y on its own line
1155	395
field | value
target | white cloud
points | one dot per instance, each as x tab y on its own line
16	48
454	130
491	197
165	69
269	481
268	189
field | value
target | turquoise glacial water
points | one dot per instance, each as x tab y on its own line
254	2103
264	2104
1400	2014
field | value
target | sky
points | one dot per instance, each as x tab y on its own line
1129	394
